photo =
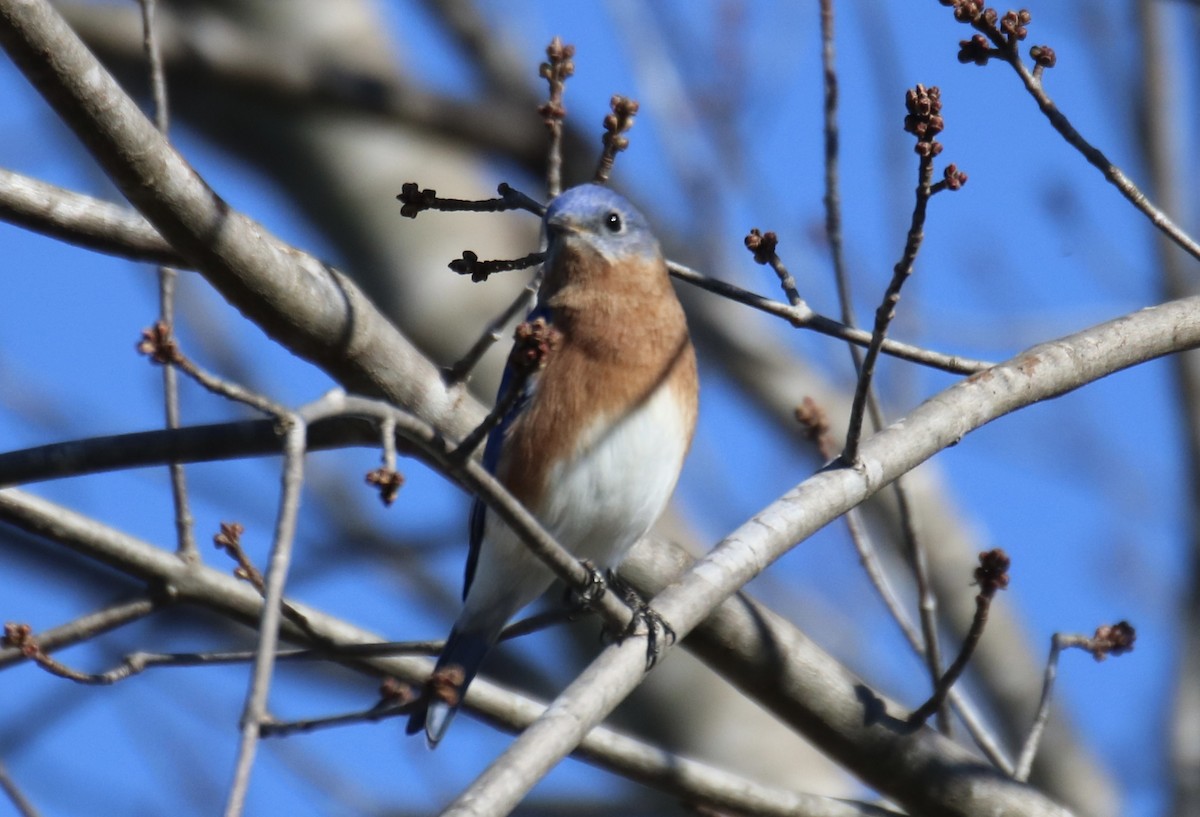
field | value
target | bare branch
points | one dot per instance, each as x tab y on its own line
1115	639
803	316
255	713
1042	372
605	747
303	303
1005	48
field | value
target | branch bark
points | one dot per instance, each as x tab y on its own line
1043	372
300	301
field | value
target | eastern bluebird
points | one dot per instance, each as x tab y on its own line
595	444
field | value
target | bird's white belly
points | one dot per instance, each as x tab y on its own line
600	502
606	497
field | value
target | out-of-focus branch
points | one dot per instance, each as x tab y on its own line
303	303
204	443
82	220
184	522
116	230
241	65
17	797
1043	372
687	779
255	710
1161	130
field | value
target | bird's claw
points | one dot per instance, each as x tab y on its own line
658	631
596	585
582	599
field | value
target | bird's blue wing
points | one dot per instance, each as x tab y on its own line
491	453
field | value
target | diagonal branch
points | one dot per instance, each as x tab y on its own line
611	750
1043	372
301	302
109	228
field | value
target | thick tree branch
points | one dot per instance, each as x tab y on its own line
608	749
1043	372
303	303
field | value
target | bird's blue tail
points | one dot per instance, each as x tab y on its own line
456	668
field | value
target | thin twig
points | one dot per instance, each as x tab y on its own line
160	345
803	317
135	663
22	644
415	201
20	802
555	71
520	304
255	713
991	575
382	711
763	247
386	478
1116	639
229	539
184	522
1005	35
924	121
833	196
89	626
469	264
927	603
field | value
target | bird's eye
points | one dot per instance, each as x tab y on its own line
613	222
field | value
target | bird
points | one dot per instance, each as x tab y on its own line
595	443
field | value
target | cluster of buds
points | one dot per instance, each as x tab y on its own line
534	341
1013	24
389	481
560	66
20	636
992	573
415	200
618	122
952	178
924	119
988	20
999	34
1112	639
159	344
1043	56
762	245
966	11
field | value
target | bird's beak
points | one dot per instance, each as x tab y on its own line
560	225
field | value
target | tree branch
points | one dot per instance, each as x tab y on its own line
301	302
1043	372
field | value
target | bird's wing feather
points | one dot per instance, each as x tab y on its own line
491	452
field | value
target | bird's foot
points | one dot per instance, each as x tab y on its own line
658	632
581	600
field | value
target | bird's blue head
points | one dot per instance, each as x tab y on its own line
602	220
